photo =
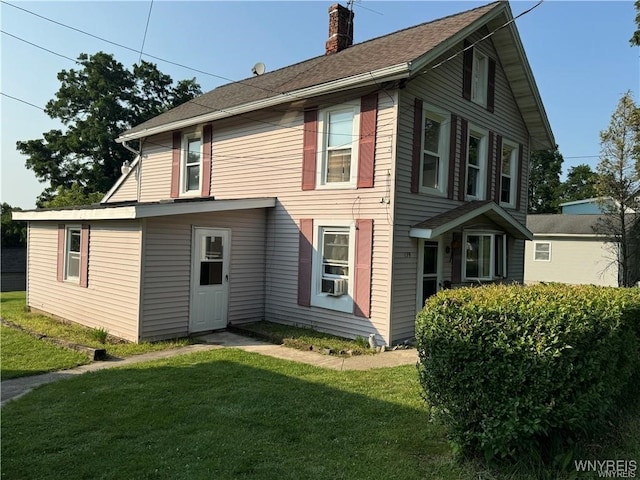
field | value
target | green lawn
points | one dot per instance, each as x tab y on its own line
22	354
33	360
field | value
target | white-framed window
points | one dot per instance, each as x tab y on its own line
508	174
72	253
333	265
484	255
542	251
338	135
479	75
476	163
191	164
435	145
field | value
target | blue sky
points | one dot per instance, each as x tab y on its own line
579	53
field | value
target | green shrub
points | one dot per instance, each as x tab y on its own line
514	370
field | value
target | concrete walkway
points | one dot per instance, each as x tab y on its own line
17	387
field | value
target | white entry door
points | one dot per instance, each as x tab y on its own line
209	279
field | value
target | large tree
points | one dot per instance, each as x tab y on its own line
97	102
635	39
619	188
579	185
544	181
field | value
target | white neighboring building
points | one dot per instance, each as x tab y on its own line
565	249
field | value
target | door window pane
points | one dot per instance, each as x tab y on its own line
212	248
211	273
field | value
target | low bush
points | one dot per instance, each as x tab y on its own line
516	370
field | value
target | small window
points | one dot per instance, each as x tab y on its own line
434	162
191	163
479	78
476	164
72	254
337	144
485	256
542	251
508	180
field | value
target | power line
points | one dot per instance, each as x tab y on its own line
22	101
146	28
38	46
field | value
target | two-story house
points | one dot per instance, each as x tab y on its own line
336	193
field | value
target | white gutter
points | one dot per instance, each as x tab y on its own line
134	212
394	72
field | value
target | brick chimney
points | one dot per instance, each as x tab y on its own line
340	29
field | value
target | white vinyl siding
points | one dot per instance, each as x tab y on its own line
128	190
167	264
111	298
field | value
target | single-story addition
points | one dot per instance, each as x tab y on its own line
337	193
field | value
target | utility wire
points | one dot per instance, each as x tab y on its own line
22	101
146	28
38	46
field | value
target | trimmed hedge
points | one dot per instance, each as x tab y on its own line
513	369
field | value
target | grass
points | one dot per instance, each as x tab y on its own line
304	338
22	355
14	310
229	414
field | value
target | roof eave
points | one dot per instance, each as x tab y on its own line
394	72
134	212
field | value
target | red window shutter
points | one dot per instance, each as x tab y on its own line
462	172
310	149
60	266
467	70
490	160
305	257
519	182
206	160
417	145
498	169
453	146
363	254
367	146
84	255
491	85
175	165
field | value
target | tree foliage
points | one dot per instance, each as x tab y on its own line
619	180
14	233
579	185
70	196
635	39
96	103
544	181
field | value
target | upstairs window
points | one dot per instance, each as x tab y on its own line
338	146
191	163
479	78
476	164
434	163
508	174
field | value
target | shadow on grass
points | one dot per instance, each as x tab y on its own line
225	414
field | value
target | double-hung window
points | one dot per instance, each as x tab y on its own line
333	265
476	164
72	254
479	78
434	164
338	145
508	174
485	255
542	251
191	163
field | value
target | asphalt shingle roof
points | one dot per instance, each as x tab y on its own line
562	223
393	49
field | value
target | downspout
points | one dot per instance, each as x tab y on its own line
139	155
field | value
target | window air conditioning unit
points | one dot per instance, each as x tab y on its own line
340	287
